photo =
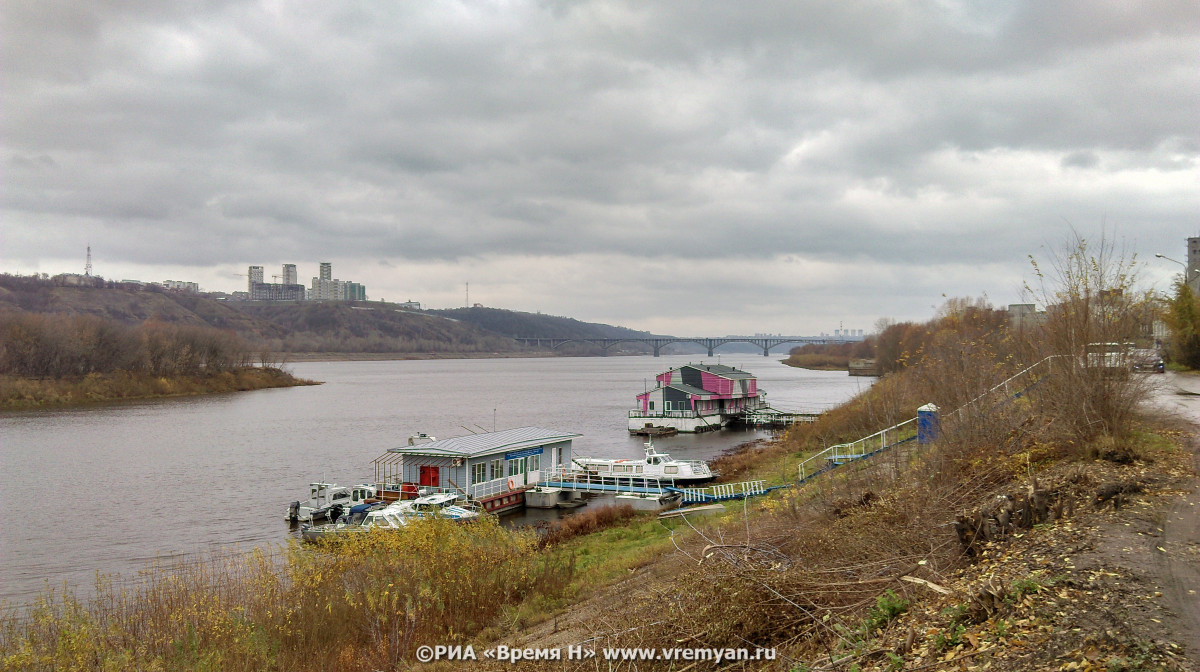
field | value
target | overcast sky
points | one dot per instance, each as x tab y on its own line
683	167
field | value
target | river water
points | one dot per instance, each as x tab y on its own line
113	487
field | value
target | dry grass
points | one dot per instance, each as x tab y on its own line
363	603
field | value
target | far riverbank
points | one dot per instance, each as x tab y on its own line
404	356
17	393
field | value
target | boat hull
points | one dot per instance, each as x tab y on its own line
690	425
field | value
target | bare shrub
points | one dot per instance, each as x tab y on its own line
592	520
1092	297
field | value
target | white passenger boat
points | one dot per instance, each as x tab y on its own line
654	465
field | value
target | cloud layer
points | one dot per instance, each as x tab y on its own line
684	167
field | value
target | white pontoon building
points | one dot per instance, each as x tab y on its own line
493	468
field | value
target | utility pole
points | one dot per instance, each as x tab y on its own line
468	303
87	268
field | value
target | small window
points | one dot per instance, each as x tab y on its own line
672	470
535	462
652	405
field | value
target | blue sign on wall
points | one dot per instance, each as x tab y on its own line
516	454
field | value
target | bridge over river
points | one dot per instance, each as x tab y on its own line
657	342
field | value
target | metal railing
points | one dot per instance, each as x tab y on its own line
586	481
724	491
905	431
498	486
845	452
639	413
1008	384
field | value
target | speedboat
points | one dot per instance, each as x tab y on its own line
443	505
329	501
397	515
392	516
654	465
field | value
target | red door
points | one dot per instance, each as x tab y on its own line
429	476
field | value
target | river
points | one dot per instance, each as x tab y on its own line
109	488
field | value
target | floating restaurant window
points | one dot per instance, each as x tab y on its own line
652	405
495	470
479	472
535	462
516	467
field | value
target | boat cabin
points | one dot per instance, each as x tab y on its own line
492	468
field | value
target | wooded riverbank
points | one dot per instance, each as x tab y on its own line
21	393
51	360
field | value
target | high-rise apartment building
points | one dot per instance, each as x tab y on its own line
289	274
328	288
254	276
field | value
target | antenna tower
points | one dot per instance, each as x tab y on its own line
87	268
468	303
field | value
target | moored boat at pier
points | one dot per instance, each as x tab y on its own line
655	465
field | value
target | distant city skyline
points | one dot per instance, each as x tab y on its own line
678	168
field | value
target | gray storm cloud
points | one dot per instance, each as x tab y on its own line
667	137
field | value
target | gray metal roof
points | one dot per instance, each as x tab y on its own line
691	389
491	442
721	370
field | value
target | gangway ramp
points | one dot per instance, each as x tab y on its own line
723	492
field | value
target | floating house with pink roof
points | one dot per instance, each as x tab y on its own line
696	398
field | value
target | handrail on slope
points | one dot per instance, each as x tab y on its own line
900	433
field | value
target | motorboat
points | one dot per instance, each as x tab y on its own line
444	505
329	502
393	516
396	515
654	466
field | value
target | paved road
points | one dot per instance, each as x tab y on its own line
1179	567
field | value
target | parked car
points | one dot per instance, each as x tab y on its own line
1148	361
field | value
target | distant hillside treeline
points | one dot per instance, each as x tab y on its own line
307	327
364	327
68	346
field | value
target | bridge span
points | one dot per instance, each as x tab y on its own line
657	342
